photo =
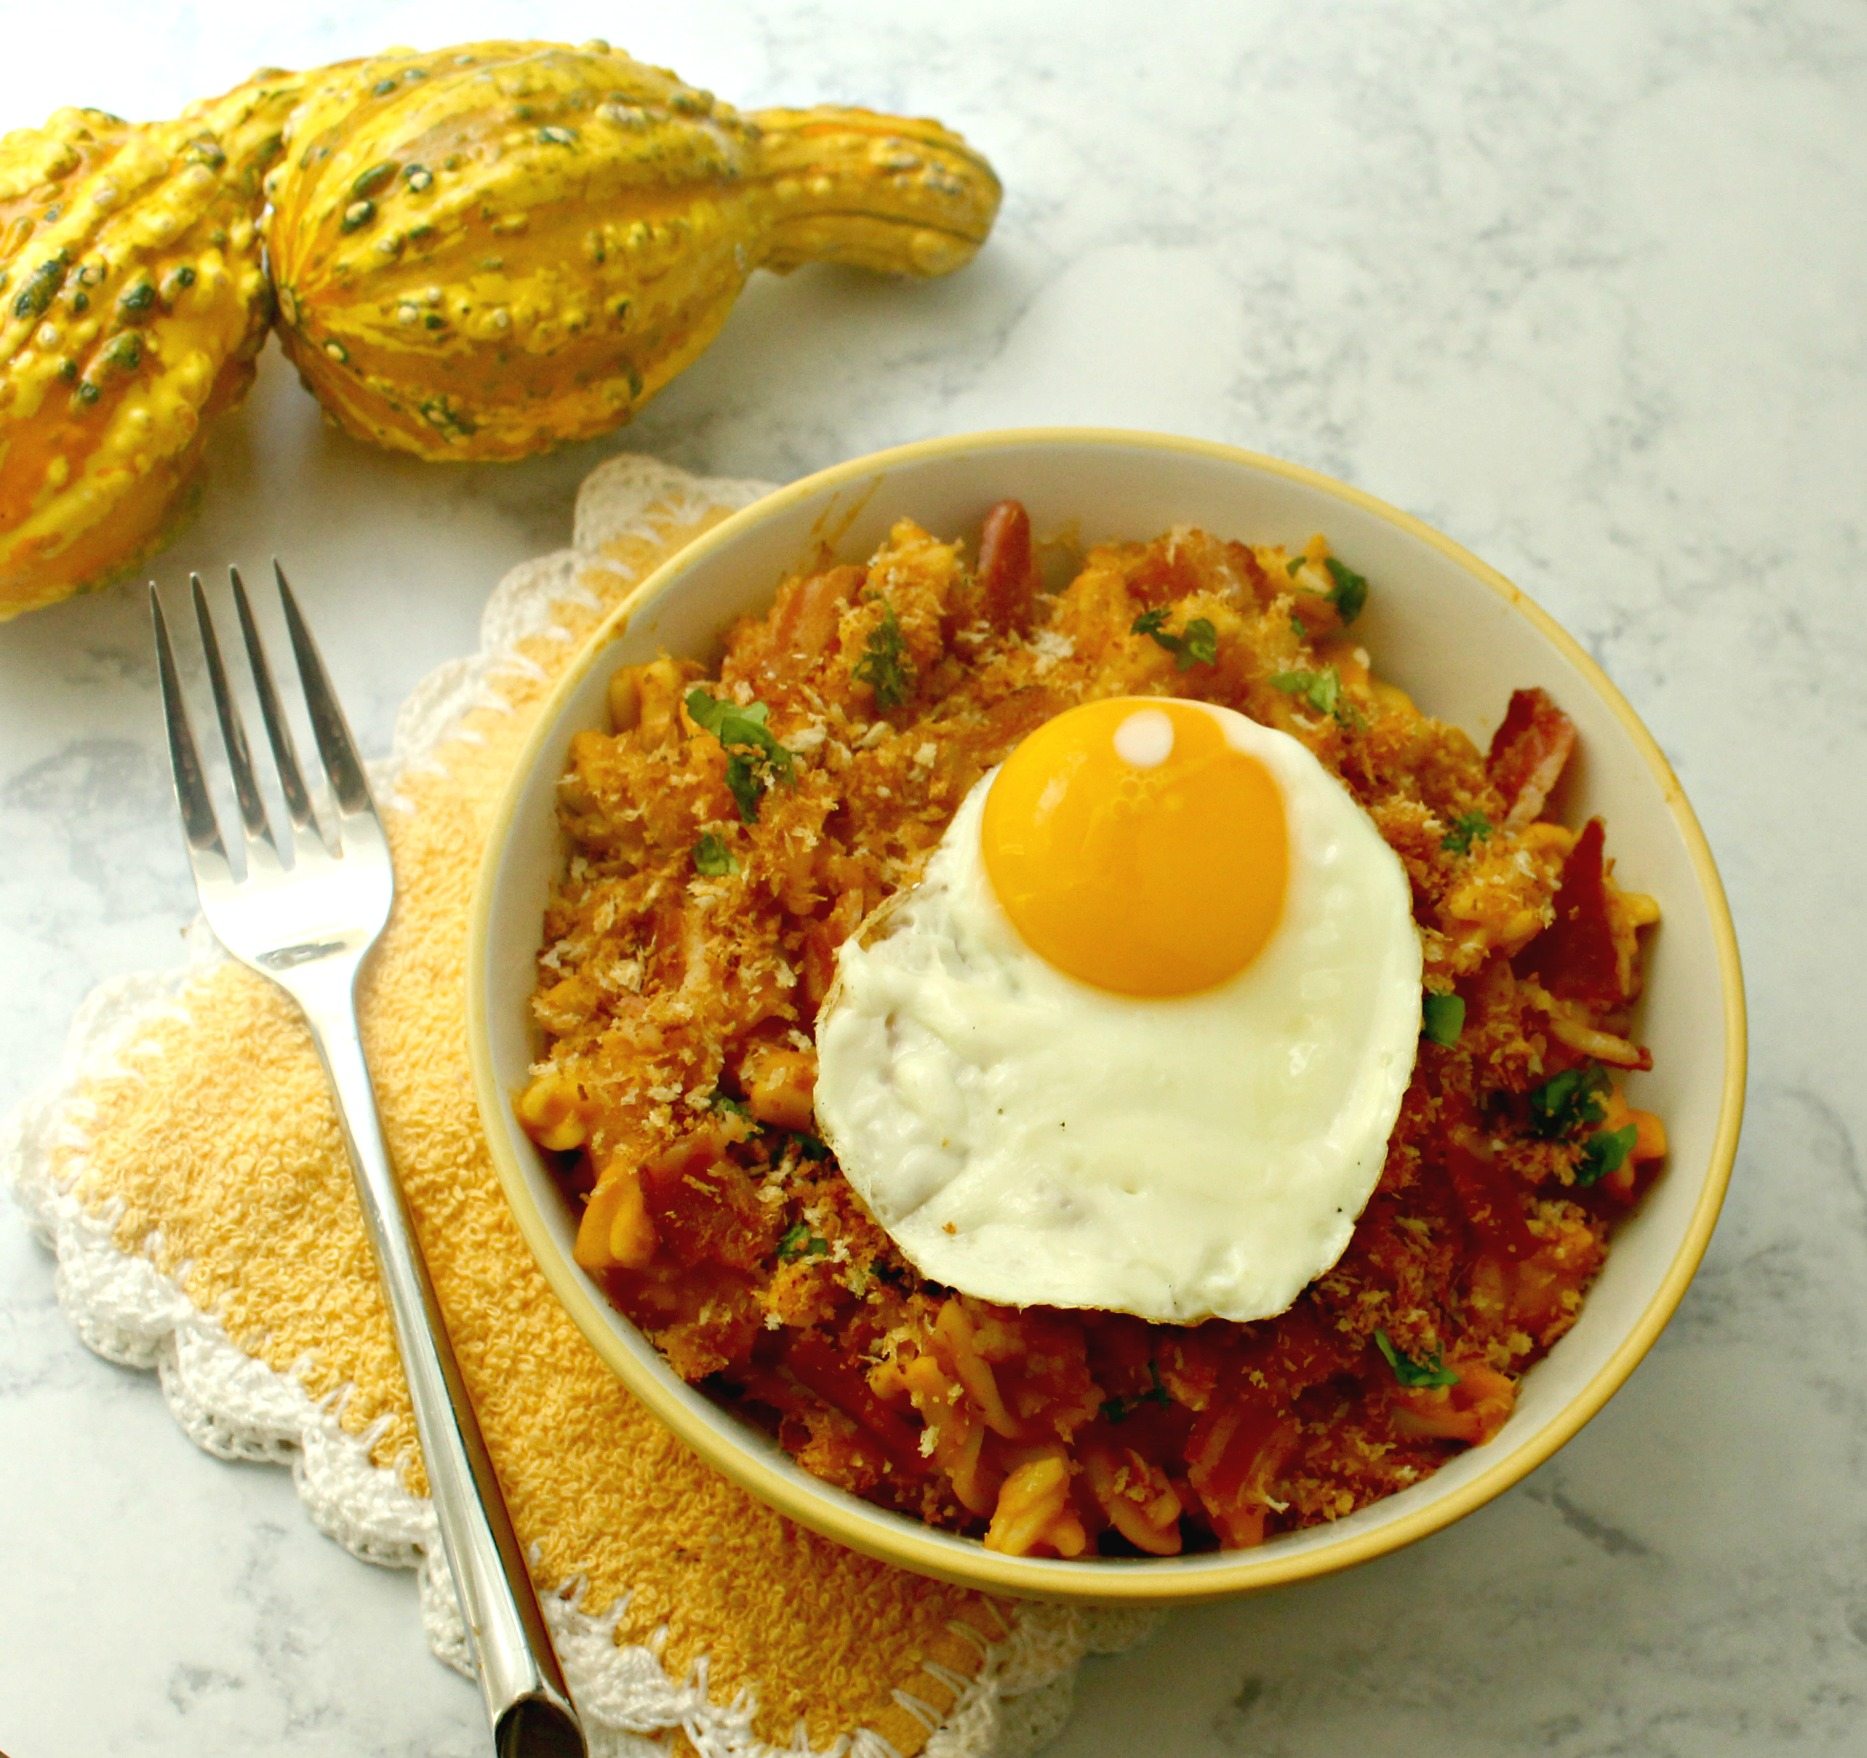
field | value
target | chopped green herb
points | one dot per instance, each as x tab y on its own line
1605	1152
1117	1409
1467	828
1197	644
754	758
1349	592
1567	1101
125	350
726	1102
1294	563
799	1241
809	1147
712	857
358	213
743	783
1322	690
87	392
80	302
881	666
1442	1018
732	723
1431	1372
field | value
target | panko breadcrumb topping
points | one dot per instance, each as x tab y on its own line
735	825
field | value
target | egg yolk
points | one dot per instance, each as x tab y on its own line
1134	847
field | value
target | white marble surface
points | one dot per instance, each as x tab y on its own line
1586	284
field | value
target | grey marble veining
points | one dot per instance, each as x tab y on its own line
1584	283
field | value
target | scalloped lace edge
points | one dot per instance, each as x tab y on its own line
235	1407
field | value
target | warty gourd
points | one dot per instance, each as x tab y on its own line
132	303
494	250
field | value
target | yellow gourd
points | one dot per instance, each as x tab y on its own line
489	251
249	123
132	303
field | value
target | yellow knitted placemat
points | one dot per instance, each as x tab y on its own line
190	1173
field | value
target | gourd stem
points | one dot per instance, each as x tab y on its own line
891	193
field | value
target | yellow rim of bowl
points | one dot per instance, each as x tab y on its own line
946	1555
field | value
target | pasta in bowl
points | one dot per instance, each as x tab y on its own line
776	747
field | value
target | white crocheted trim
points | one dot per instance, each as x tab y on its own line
236	1407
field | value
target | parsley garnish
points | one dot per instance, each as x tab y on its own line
1431	1372
1566	1101
1442	1018
1117	1409
881	666
754	758
736	1107
712	857
1294	563
809	1147
745	783
1199	644
1196	644
1322	690
799	1241
1467	828
1604	1152
1350	591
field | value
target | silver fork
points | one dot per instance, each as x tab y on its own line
308	922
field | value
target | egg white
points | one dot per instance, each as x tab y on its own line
1033	1140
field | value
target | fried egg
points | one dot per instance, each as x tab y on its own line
1137	1039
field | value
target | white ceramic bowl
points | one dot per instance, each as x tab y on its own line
1441	624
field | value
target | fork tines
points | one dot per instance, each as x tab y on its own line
342	769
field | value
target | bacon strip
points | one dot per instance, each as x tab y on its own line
1488	1194
1528	753
1575	957
1237	1447
803	619
1007	566
836	1379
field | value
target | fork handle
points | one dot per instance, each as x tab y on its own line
526	1699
